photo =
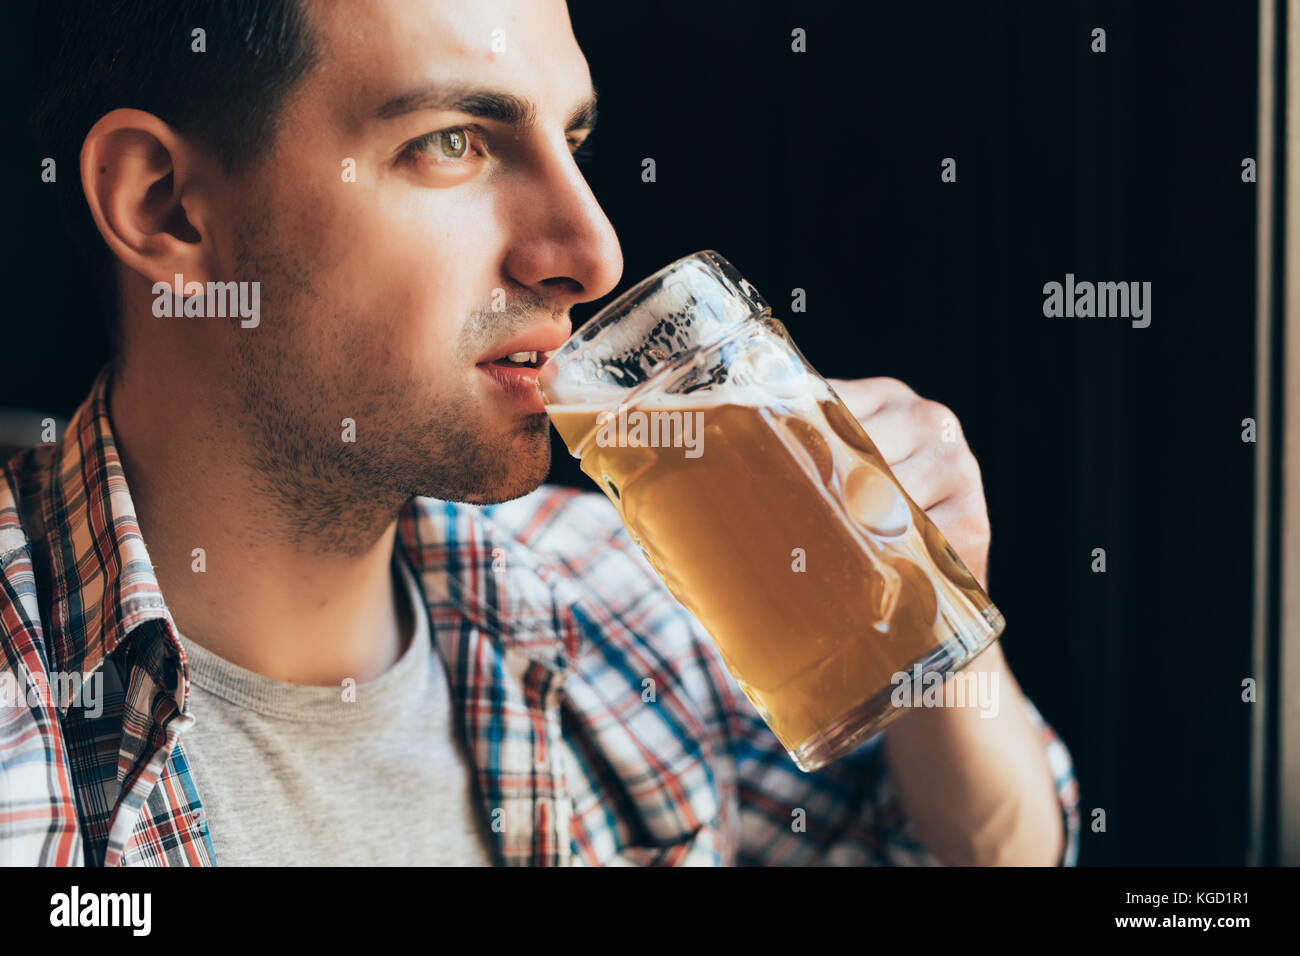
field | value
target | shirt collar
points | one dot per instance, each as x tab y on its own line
475	571
102	583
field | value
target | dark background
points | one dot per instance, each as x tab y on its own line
821	171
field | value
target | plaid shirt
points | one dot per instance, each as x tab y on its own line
549	621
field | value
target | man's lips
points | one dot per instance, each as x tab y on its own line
540	341
513	365
519	382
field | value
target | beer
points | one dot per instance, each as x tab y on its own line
763	505
771	534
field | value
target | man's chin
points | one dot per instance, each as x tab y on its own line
527	465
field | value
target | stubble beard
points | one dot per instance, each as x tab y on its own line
317	487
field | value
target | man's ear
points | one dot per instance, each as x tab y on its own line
143	182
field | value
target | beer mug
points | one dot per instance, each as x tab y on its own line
757	497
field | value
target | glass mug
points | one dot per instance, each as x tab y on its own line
759	500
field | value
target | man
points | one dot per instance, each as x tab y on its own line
297	551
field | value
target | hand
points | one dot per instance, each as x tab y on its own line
923	444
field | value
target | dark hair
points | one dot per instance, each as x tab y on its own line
94	57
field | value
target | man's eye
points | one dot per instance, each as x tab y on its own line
451	143
457	142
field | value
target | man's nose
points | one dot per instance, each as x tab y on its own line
565	247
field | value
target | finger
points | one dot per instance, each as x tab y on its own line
866	396
959	521
925	478
893	431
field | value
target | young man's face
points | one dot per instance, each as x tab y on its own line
383	297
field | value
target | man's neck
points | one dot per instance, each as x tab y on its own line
257	593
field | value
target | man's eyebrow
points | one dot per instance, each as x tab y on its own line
507	108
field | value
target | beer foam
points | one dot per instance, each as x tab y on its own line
669	312
809	392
